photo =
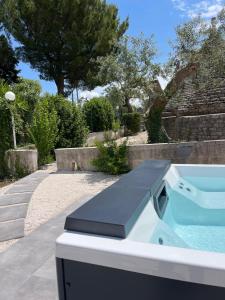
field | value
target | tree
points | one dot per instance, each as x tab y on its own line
99	114
6	135
8	62
72	129
201	45
44	130
5	129
199	52
62	39
28	91
153	122
129	70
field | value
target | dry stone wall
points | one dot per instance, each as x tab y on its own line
196	115
196	128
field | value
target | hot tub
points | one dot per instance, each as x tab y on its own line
158	233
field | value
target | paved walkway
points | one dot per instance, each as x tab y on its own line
14	204
27	270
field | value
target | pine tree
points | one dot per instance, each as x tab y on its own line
62	39
8	62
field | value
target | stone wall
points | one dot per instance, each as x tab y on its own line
24	160
195	128
80	157
192	101
206	152
194	114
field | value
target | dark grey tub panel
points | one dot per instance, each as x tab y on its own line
114	211
85	281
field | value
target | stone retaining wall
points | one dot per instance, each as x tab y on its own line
195	128
81	157
24	160
206	152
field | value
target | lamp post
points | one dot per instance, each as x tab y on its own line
10	96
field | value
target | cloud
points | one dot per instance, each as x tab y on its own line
205	8
97	92
179	4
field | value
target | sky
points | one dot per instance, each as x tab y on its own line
157	17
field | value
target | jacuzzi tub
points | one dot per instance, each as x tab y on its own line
158	233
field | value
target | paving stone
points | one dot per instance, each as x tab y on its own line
29	265
11	230
10	282
9	199
30	179
14	204
27	255
27	184
48	270
37	288
13	212
20	189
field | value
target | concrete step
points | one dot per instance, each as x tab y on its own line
11	230
14	204
13	212
10	199
21	189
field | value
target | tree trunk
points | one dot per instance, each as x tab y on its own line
77	91
60	85
154	115
128	106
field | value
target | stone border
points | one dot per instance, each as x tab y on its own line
14	204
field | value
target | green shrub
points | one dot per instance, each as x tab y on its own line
44	129
6	139
99	114
153	124
112	158
132	122
116	126
29	92
17	169
5	129
72	126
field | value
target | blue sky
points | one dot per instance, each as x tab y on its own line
158	17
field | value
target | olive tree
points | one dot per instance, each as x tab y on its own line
129	70
202	45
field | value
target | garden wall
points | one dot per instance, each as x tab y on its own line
195	128
206	152
22	161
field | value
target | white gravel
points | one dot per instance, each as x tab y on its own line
56	193
139	138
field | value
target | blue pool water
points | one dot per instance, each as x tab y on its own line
207	184
189	224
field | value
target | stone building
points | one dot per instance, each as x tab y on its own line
194	114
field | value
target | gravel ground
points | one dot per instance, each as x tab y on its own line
140	138
4	183
58	191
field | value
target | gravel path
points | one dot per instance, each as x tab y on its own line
140	138
56	193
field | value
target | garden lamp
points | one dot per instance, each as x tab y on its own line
10	96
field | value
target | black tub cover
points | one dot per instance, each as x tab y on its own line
114	211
